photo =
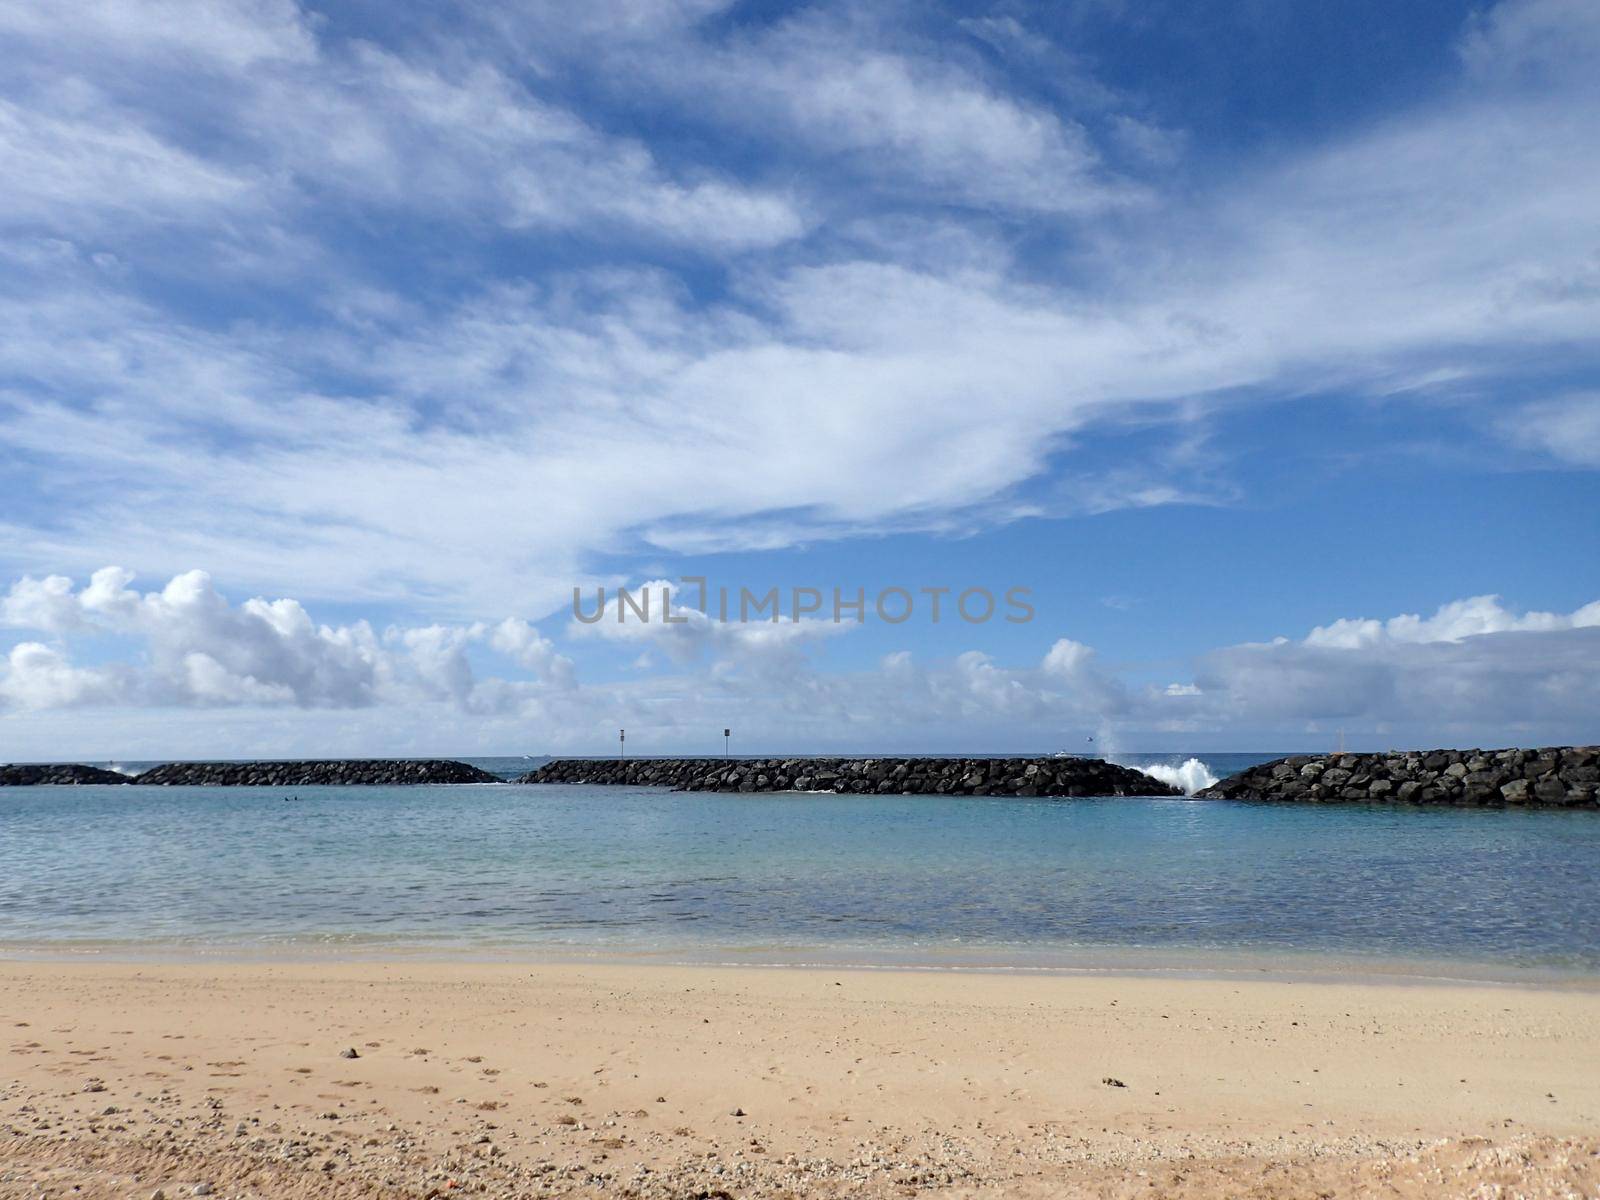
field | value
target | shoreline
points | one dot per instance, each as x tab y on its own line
1124	962
411	1079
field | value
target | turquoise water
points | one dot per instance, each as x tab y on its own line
592	869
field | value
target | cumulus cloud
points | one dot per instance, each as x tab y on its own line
523	644
197	649
193	648
1473	670
1473	666
1452	622
1068	659
37	676
47	604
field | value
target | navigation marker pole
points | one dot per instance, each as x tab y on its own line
622	742
726	734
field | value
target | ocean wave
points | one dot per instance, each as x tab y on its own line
1190	777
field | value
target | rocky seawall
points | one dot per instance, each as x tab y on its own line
33	775
1556	776
347	772
903	776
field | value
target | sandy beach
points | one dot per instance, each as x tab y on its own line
238	1080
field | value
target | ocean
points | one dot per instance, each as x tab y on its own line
931	880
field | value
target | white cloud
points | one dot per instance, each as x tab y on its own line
85	148
1533	37
548	27
468	449
1566	428
909	119
530	649
849	91
84	164
875	393
194	648
48	605
207	681
1068	659
1452	622
37	676
414	137
233	33
642	415
1474	666
1473	671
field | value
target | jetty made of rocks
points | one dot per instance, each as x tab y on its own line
388	772
1557	776
903	776
35	774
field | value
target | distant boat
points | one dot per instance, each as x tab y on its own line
1070	754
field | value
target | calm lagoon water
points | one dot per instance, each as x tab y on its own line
791	877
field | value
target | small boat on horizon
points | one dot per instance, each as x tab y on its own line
1072	754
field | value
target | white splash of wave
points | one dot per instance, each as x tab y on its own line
1188	778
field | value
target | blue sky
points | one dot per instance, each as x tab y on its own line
1256	340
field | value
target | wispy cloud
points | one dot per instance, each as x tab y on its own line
416	317
298	121
1565	427
611	403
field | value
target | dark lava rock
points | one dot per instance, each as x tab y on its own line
1557	777
33	774
861	776
369	772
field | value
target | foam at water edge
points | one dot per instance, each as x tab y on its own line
1190	777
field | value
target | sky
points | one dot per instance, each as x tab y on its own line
1256	345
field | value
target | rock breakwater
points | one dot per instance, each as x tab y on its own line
1557	776
35	774
903	776
336	772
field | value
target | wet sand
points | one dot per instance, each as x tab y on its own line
234	1080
